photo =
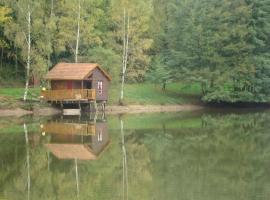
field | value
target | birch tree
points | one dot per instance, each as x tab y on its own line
77	177
125	52
28	41
26	13
124	162
78	31
52	7
72	41
27	161
140	40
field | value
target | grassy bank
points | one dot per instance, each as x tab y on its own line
176	93
143	94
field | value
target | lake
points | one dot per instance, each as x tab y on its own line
206	155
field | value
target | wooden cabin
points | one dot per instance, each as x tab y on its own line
77	82
81	140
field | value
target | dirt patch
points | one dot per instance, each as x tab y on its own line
15	112
18	112
48	111
2	98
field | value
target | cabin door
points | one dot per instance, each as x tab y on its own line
87	84
69	85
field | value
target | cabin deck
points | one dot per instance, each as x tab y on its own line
69	95
69	128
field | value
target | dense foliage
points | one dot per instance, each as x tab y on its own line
223	45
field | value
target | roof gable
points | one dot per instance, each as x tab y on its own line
73	71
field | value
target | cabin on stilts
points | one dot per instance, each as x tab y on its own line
77	83
76	140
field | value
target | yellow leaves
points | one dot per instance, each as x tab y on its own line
4	14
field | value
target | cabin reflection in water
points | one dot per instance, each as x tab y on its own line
84	140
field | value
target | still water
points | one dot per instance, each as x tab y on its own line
179	156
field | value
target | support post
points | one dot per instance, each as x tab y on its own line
80	106
104	106
96	107
89	107
95	117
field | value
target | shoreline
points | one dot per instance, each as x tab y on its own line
113	109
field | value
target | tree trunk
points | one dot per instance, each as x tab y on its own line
78	32
77	178
28	55
16	63
125	170
27	160
52	6
125	53
203	88
164	86
2	55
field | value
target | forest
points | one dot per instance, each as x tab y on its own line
222	45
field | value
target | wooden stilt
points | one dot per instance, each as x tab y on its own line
91	116
95	118
89	107
104	106
103	116
80	106
96	107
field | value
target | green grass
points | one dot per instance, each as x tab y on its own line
17	93
143	94
176	93
12	97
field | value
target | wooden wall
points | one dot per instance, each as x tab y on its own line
97	144
96	76
99	76
62	85
58	85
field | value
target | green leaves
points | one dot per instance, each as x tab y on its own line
215	43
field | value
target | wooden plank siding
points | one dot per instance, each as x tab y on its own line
69	128
96	77
65	94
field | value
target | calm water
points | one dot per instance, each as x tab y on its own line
186	156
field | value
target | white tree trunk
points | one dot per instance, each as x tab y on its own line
27	160
52	7
125	168
77	177
125	52
28	55
124	58
78	32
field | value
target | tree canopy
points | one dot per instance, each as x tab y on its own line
221	44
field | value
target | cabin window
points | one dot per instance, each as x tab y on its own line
100	135
100	87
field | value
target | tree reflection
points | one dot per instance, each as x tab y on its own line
226	158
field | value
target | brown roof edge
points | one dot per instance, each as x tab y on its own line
102	70
96	65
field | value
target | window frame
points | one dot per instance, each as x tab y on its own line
100	87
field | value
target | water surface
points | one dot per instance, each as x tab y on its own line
202	156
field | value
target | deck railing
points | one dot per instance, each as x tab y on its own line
69	128
73	94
